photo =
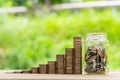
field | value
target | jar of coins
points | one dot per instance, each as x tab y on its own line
96	53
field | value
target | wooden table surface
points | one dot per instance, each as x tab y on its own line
7	75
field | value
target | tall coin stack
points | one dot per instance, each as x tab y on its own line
77	55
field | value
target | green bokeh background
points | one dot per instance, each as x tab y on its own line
27	40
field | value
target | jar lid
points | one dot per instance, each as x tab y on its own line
99	37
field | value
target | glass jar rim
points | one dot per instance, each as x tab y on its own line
96	37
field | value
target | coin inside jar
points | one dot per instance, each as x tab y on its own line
95	59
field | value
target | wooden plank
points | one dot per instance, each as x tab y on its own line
19	9
86	5
7	75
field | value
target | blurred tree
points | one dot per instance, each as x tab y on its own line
55	1
19	2
29	2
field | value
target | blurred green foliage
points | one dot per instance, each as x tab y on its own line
28	3
27	41
10	3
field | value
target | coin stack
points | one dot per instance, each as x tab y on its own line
77	55
34	70
43	68
60	63
51	67
25	71
69	60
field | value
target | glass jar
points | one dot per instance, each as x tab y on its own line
95	53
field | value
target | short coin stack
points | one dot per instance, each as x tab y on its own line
34	70
60	64
25	71
43	68
51	67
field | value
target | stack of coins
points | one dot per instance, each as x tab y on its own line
18	72
23	71
51	67
77	55
69	60
60	64
39	69
26	71
34	70
43	68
